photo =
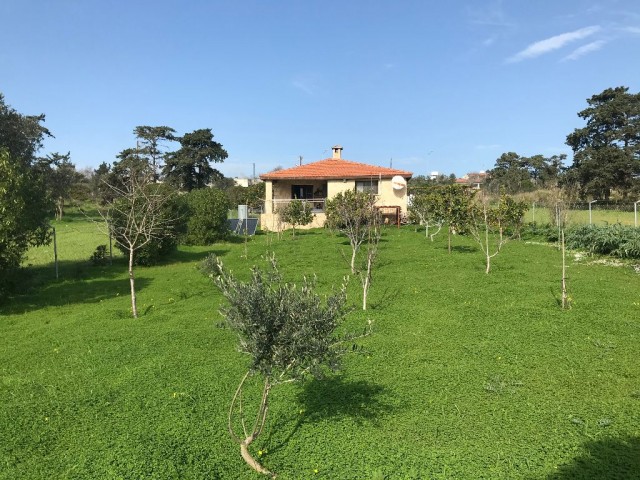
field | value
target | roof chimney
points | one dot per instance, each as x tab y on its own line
337	152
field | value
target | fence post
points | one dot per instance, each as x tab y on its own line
534	213
55	251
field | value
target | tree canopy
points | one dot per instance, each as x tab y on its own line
513	173
25	205
607	150
189	167
151	140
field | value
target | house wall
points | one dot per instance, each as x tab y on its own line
387	196
334	187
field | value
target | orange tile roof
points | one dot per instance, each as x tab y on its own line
331	168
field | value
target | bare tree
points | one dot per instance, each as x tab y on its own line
139	214
565	297
507	214
479	228
352	213
373	240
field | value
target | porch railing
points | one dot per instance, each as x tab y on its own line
317	204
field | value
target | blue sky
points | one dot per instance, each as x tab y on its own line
442	86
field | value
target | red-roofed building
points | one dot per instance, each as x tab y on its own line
318	181
474	180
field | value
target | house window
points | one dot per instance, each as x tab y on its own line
370	186
302	192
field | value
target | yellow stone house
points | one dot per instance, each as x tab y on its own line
319	181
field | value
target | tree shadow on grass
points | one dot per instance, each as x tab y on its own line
182	256
35	286
70	291
388	297
333	397
607	459
463	249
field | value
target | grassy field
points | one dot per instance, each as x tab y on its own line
466	375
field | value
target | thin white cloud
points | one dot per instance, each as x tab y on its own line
489	41
584	50
305	83
553	43
491	15
632	30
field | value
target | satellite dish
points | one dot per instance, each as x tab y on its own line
398	182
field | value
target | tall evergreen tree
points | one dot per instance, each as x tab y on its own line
607	150
189	167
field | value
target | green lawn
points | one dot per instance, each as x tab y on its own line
466	375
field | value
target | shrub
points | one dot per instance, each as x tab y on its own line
617	240
207	222
296	212
544	231
99	256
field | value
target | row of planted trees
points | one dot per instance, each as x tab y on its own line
350	213
491	222
289	333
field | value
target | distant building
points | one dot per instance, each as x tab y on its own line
473	179
245	182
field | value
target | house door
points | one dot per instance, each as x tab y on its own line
302	192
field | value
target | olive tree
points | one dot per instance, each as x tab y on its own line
288	333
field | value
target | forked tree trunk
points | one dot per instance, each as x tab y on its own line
132	283
258	425
252	462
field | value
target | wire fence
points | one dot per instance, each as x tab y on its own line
583	213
